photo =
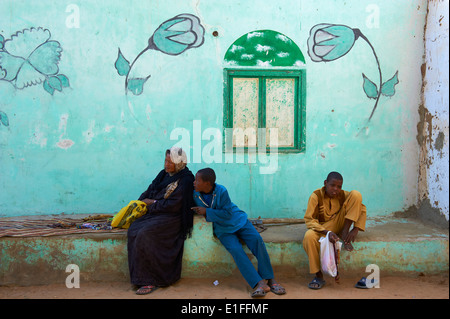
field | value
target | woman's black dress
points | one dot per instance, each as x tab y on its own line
156	240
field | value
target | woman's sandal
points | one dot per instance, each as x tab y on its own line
316	283
144	290
277	289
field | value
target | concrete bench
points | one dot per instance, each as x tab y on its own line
394	245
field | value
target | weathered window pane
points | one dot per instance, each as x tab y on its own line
280	110
245	111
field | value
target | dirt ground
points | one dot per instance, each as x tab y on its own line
234	287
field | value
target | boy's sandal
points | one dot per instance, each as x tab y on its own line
362	283
144	290
258	292
316	283
277	289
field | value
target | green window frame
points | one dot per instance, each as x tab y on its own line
279	99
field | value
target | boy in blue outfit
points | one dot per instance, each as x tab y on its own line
231	224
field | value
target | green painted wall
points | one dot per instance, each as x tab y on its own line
93	146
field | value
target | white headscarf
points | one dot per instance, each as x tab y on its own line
178	157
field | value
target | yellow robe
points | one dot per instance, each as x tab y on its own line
334	215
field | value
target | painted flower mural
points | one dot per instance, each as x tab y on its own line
172	37
177	35
29	58
328	42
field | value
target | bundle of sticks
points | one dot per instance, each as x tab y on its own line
274	221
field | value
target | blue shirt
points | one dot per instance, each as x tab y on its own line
207	198
221	211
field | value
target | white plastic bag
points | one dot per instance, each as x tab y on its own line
327	255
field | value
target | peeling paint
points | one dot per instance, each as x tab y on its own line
89	133
433	125
439	142
108	128
39	138
65	144
63	122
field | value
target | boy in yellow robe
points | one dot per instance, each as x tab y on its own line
331	209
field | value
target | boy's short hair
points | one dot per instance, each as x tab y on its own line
334	175
207	175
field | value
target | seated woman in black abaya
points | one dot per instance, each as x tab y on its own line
156	240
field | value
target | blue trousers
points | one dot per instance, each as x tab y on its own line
255	243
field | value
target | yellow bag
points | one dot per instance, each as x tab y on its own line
129	214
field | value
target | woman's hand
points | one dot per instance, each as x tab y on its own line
149	201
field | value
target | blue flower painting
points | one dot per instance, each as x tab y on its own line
29	58
329	42
172	37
